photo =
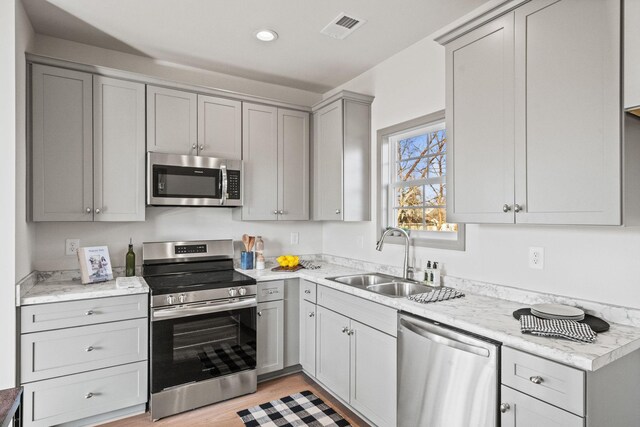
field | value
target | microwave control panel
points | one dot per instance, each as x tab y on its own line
233	184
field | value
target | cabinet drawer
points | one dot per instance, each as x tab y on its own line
560	385
270	291
370	313
308	291
69	351
43	317
79	396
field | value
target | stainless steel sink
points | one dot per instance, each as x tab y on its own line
399	288
383	284
363	280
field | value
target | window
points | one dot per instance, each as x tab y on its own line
412	172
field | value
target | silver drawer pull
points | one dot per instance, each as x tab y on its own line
89	313
536	379
88	396
307	291
504	407
90	348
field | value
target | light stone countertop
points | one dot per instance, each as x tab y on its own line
484	315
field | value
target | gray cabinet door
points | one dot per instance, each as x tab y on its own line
293	165
171	121
260	155
328	162
219	127
373	374
332	351
270	332
308	336
631	54
291	322
568	138
119	150
62	144
480	102
525	411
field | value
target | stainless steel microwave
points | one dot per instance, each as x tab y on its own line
176	180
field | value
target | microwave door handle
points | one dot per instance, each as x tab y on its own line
223	199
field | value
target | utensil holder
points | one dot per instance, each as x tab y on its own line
246	260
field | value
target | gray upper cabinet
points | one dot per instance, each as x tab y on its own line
276	163
533	115
219	127
631	54
172	121
479	120
341	158
119	150
88	147
61	107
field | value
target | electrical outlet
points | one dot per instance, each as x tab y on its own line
360	242
536	258
295	238
71	246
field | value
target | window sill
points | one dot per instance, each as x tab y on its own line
425	242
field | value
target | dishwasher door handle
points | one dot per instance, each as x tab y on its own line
449	342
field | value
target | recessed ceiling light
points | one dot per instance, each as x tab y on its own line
266	35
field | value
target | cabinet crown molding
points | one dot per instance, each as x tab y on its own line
344	94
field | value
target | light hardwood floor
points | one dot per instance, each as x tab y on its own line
224	413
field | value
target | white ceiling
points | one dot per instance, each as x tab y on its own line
217	35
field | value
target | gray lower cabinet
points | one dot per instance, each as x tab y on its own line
275	151
357	362
84	360
341	158
308	337
526	411
270	332
88	136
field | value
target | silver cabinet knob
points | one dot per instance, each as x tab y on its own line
89	313
280	212
506	208
242	291
170	299
194	146
312	314
307	291
259	314
88	395
337	211
88	210
97	210
275	212
345	329
350	332
182	298
517	208
504	407
536	379
202	148
90	348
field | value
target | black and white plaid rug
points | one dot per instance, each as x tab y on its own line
300	409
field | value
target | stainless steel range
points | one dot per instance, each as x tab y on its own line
203	325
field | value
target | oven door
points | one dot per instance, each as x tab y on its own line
201	342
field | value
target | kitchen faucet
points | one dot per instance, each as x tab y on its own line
405	269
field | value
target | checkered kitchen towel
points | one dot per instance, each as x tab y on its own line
300	409
440	294
569	329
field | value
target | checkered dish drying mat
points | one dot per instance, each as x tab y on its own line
309	265
300	409
441	294
562	328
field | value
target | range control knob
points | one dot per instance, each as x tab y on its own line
233	292
170	299
182	298
242	291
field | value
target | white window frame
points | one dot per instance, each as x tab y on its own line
386	170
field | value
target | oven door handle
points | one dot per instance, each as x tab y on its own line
216	307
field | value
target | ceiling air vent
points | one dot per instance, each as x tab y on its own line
342	26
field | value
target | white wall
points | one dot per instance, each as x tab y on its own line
86	54
25	230
7	191
596	263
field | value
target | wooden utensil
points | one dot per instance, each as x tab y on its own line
252	241
245	240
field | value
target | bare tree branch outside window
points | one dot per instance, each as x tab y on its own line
419	187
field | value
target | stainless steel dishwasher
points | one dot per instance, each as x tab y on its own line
446	378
